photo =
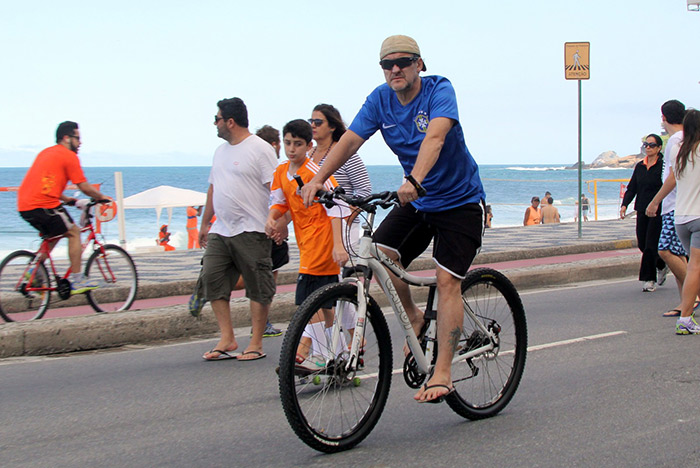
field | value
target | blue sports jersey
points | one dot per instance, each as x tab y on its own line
454	179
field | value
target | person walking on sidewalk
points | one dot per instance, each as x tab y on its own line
686	178
442	198
643	185
670	247
236	244
279	252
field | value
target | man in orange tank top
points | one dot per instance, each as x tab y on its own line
40	196
532	213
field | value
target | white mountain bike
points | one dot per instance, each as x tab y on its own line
334	382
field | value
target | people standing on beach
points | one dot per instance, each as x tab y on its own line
544	199
442	197
533	215
236	244
585	205
192	231
549	213
40	197
643	185
670	247
489	217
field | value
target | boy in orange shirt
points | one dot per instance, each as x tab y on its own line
317	229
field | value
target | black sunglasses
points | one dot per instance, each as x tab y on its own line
401	62
217	118
650	145
316	122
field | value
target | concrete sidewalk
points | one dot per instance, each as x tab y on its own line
536	256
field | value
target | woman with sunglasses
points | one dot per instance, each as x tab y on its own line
328	127
645	182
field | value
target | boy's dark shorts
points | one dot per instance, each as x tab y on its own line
226	258
280	255
456	232
50	222
307	284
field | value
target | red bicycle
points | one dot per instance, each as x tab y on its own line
26	285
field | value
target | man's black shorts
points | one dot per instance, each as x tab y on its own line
456	232
280	255
49	222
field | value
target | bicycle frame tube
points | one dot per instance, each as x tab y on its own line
375	259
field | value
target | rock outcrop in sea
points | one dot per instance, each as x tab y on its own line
610	159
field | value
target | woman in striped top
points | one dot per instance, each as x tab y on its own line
328	127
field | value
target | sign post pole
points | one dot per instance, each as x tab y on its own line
577	67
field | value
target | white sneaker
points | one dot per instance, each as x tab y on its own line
649	286
690	328
661	275
81	287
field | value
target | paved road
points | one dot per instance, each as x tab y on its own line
628	399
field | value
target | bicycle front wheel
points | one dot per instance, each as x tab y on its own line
116	277
485	383
24	295
330	407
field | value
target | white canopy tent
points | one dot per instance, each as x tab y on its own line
167	197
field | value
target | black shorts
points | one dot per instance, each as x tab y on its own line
50	222
280	255
456	232
307	284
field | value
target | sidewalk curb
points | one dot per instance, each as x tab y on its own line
180	288
62	335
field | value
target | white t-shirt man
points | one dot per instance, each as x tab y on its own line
240	176
669	203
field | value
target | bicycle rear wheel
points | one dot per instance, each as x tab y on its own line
485	384
20	300
116	276
328	407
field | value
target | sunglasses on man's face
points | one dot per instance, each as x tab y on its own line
401	62
650	145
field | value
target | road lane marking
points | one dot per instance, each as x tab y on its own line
553	344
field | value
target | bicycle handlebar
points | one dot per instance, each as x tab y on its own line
367	203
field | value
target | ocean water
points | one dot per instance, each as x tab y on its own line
509	189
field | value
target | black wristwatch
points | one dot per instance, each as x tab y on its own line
419	188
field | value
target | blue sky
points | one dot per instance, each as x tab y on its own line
142	78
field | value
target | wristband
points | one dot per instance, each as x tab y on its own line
419	188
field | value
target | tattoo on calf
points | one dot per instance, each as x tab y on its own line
454	338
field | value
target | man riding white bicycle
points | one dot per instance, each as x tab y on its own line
40	196
442	199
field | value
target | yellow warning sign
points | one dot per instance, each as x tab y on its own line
577	63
